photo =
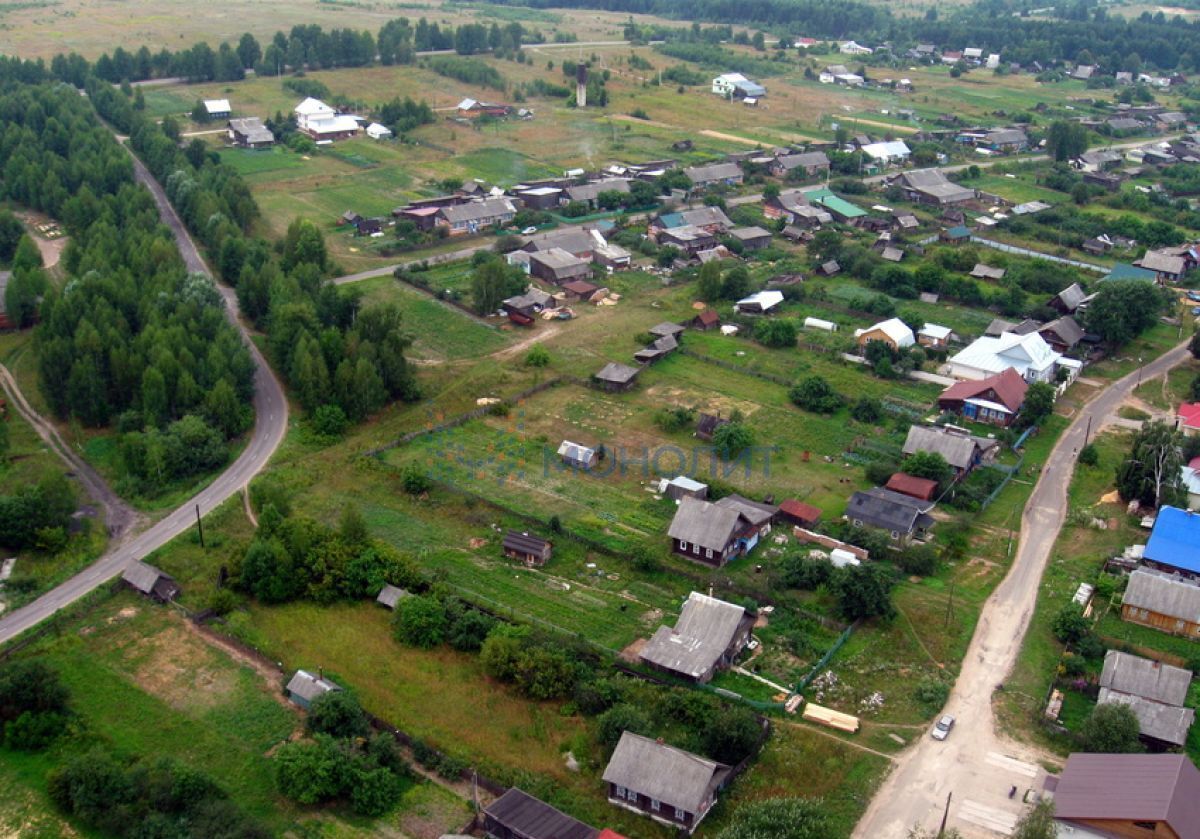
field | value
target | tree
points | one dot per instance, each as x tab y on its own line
420	621
708	288
1121	311
1038	404
1113	728
617	720
863	591
736	284
776	332
491	282
338	714
1151	473
731	734
779	818
11	231
731	439
814	394
375	791
1070	626
538	356
311	772
1037	823
867	409
929	465
1066	140
248	50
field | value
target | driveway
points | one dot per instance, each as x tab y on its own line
977	765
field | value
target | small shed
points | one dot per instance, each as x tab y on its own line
529	549
798	513
391	595
923	489
577	456
666	329
706	320
828	269
217	108
304	688
956	235
376	131
707	425
682	485
151	582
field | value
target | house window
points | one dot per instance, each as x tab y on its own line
708	553
858	522
696	549
683	546
680	814
895	534
655	805
620	792
1146	825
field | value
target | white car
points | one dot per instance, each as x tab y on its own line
941	728
529	231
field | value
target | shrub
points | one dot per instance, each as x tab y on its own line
1073	665
803	573
1112	727
337	714
452	768
330	421
619	719
867	409
420	621
920	560
538	356
415	480
1088	455
932	693
814	394
1070	626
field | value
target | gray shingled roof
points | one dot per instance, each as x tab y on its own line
390	595
142	576
1144	677
1072	296
889	510
617	373
805	159
1164	595
713	172
307	686
957	449
572	240
744	233
701	523
753	511
525	815
705	216
478	210
591	191
664	773
704	631
1168	723
1066	328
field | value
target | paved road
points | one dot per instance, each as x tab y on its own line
388	270
976	763
119	517
271	416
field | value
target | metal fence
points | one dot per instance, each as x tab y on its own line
803	684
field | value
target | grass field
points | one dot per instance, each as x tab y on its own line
145	683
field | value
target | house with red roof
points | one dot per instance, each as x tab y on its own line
922	489
995	400
1187	419
798	513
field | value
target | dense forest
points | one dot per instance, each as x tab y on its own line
131	338
347	361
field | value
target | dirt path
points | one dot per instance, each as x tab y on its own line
903	129
526	343
51	249
816	730
637	121
732	138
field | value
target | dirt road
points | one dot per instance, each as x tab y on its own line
977	764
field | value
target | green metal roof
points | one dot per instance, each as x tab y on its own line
1125	271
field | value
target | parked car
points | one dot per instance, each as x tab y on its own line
529	231
1196	310
941	728
1194	296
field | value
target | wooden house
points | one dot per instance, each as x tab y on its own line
615	377
576	456
529	549
1156	796
709	636
518	815
1163	602
150	581
674	787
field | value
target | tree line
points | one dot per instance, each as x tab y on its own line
336	355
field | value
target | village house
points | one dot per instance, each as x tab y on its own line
322	123
1156	796
474	109
887	153
150	581
931	186
681	485
250	133
893	332
1167	267
575	456
809	164
518	815
923	489
527	548
671	786
737	86
1154	691
902	517
1029	354
217	109
539	198
957	235
304	688
590	192
475	216
706	320
710	219
934	337
995	400
615	377
1174	543
793	206
1070	300
557	266
715	533
1162	601
752	238
378	131
839	74
689	239
390	596
1189	476
1187	419
714	174
574	240
708	637
961	450
1062	334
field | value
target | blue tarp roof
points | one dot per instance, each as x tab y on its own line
670	220
1125	271
1175	540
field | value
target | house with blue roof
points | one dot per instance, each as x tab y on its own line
1174	544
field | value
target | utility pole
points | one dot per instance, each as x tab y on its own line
945	815
200	525
1087	435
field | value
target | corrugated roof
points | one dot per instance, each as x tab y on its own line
705	524
309	687
704	631
524	542
1131	787
142	576
906	484
713	172
1145	677
889	510
800	510
526	816
1175	539
390	595
958	449
1163	595
664	773
478	210
1168	723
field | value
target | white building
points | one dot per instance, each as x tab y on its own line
737	86
321	122
1029	355
892	151
217	108
852	48
378	132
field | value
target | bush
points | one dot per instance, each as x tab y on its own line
452	768
814	394
1088	455
337	714
330	421
920	560
803	573
731	734
420	621
674	419
731	439
619	719
863	591
932	693
1073	665
1070	626
1113	728
595	696
32	732
415	480
538	356
867	409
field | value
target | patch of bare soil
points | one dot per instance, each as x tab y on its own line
182	673
633	651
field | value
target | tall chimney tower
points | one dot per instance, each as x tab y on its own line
581	85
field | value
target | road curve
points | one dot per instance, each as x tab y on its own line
270	424
976	763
